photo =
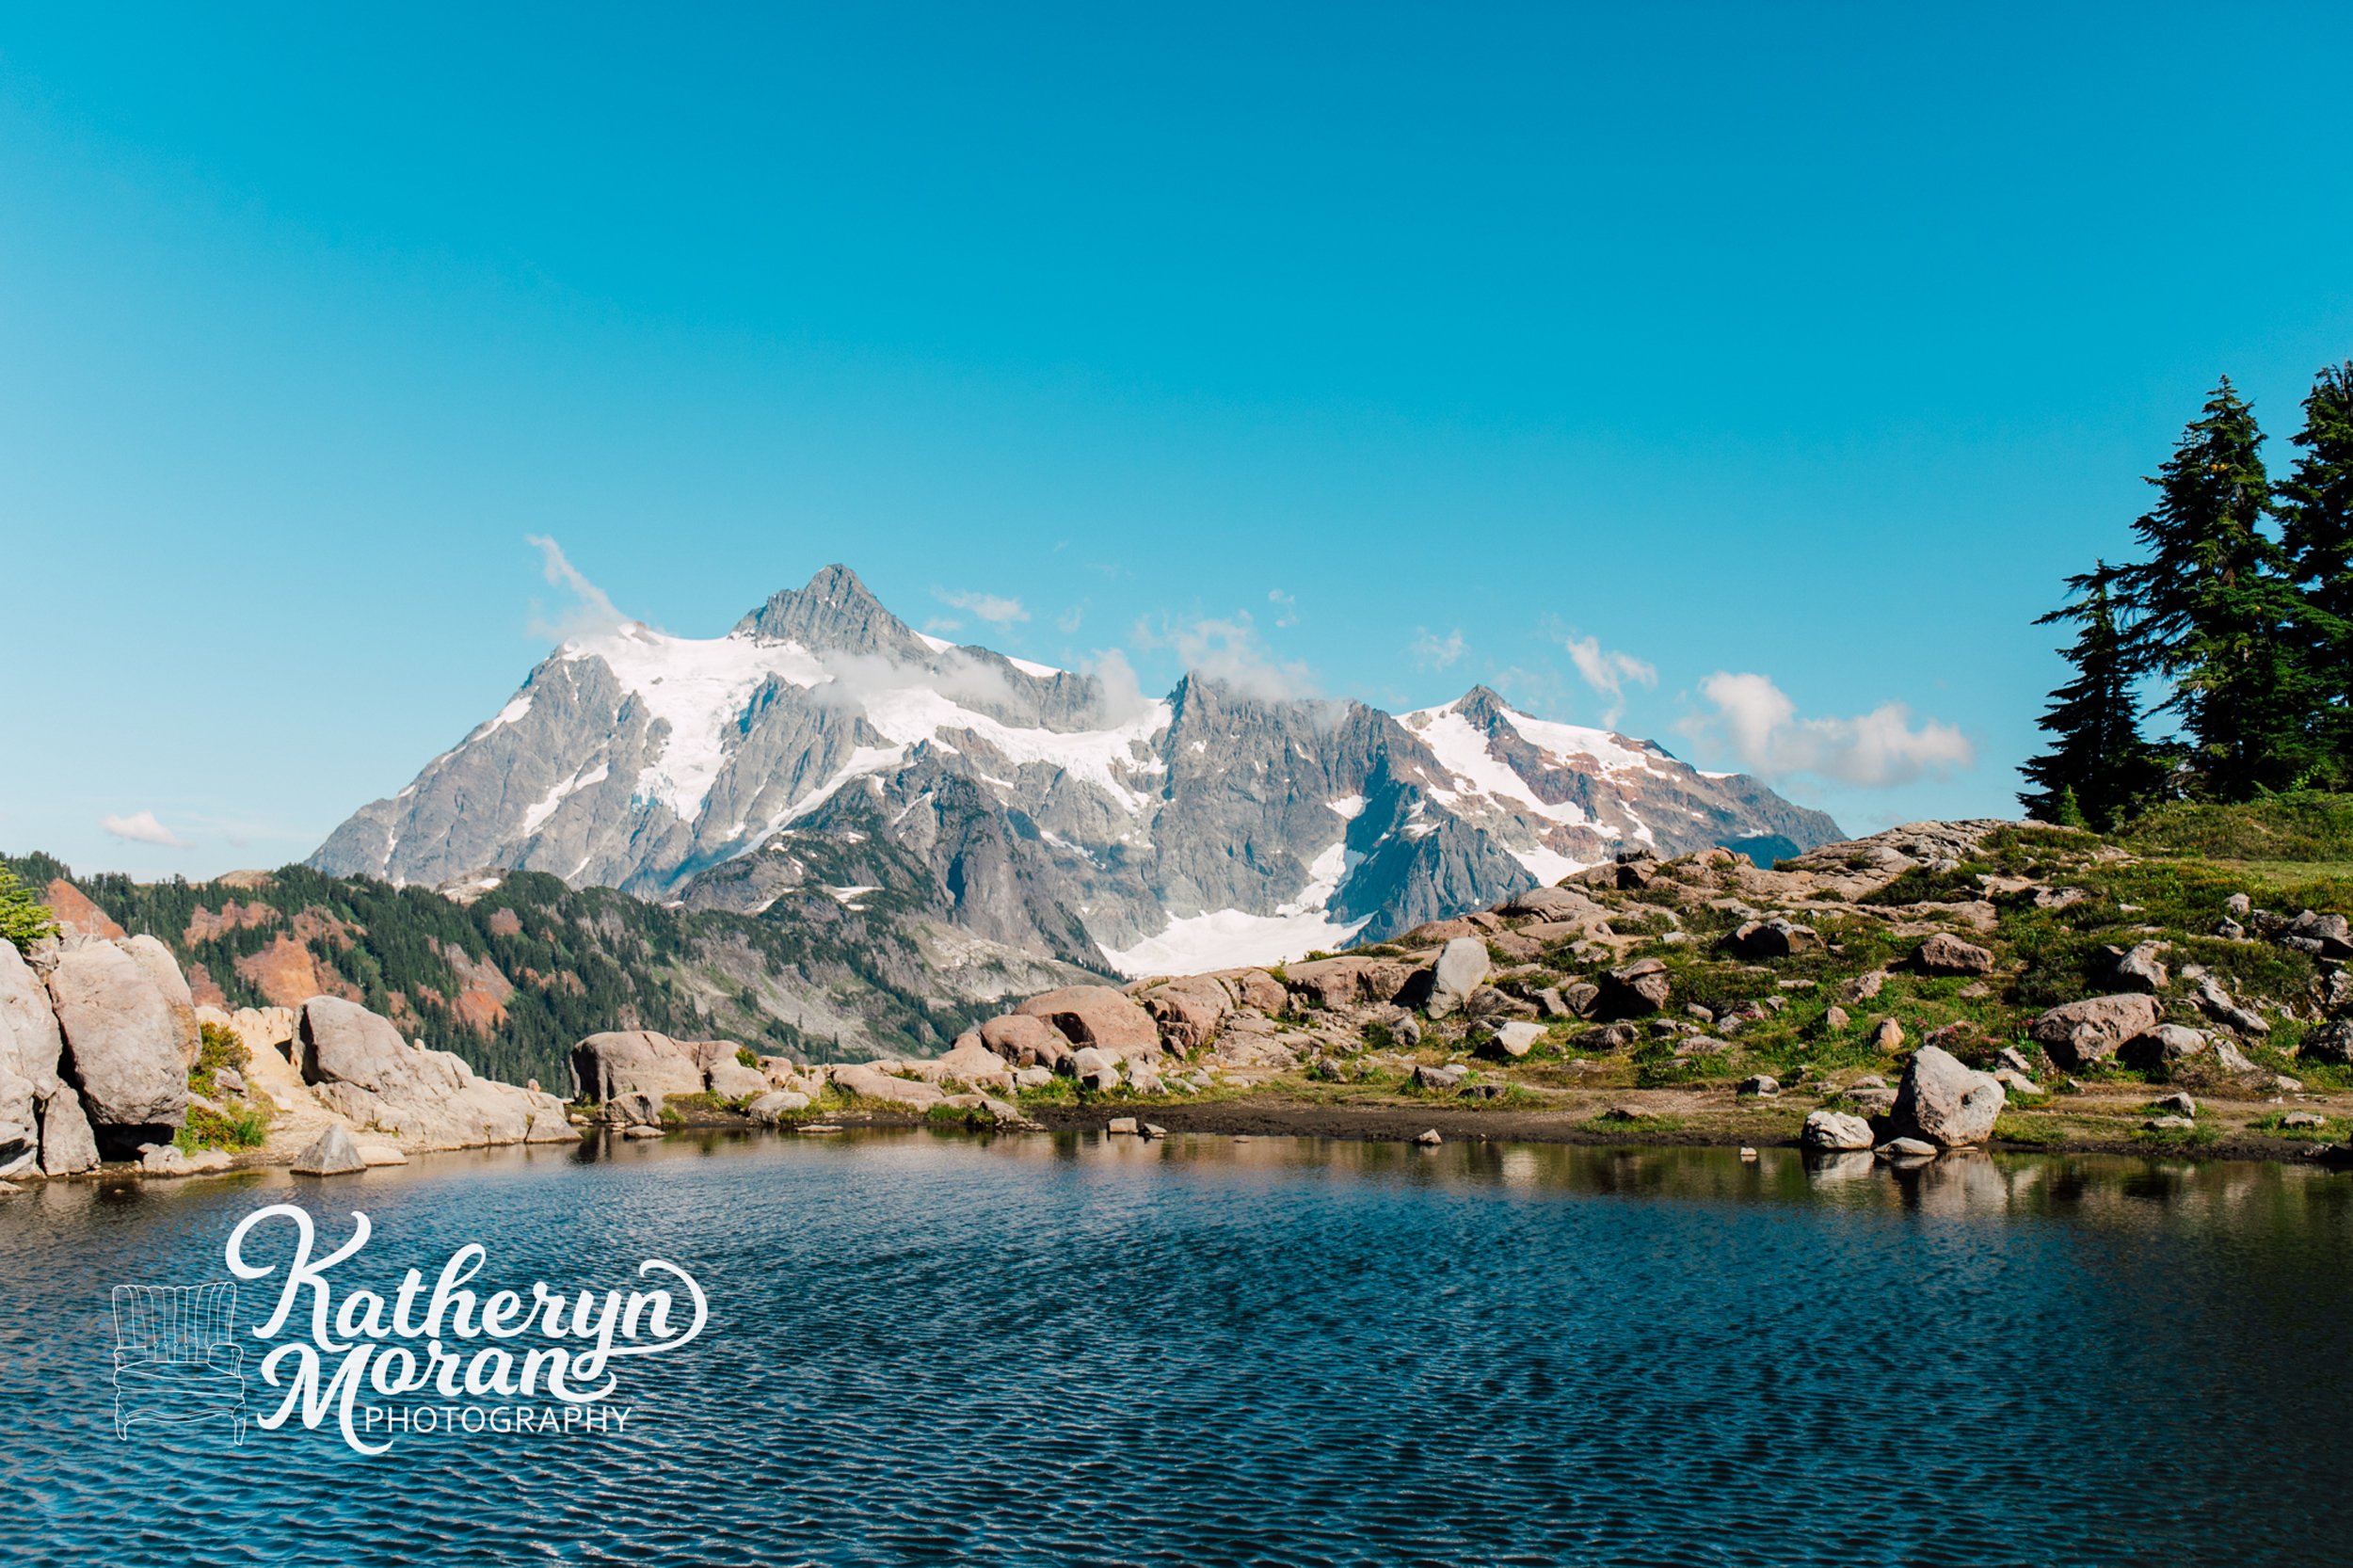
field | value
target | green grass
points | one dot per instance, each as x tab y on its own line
240	1130
2303	826
2275	1125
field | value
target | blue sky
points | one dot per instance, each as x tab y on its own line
1768	365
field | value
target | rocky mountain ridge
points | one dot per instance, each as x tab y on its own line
823	751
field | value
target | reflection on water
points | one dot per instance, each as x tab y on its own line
1073	1349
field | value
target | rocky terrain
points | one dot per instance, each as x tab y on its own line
825	758
107	1058
1936	987
1940	986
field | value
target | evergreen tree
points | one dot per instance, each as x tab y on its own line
2315	506
2098	767
2214	610
24	919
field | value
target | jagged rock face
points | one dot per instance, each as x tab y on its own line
825	754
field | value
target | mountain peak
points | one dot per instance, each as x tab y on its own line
836	611
1481	706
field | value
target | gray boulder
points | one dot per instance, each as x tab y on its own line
633	1062
68	1146
2219	1005
331	1153
123	1042
30	1020
1440	1076
1519	1037
1774	939
1833	1130
2079	1034
1634	989
1945	953
1758	1086
1945	1103
1096	1069
775	1104
1461	970
2141	968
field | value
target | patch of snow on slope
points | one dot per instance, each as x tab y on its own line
1348	806
1574	740
937	645
1548	866
1227	938
516	706
1043	672
562	793
912	714
700	687
1460	748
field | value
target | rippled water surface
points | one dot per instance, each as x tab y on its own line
926	1350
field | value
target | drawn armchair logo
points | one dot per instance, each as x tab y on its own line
176	1359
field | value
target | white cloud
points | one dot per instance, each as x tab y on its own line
140	827
1607	672
1120	695
1434	652
1231	653
592	611
1759	724
1287	608
1068	622
992	608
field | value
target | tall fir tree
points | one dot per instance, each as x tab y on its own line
2315	507
2098	768
2214	610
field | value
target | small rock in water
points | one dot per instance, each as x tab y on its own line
641	1131
1153	1129
1121	1124
1429	1138
1748	1155
331	1153
1833	1130
1906	1148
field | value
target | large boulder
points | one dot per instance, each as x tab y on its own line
1553	904
122	1044
1778	938
773	1106
871	1082
2080	1035
1025	1042
1633	990
1945	953
1189	1011
1835	1130
970	1062
164	969
633	1062
26	1008
1096	1069
68	1146
1097	1015
1460	970
1945	1103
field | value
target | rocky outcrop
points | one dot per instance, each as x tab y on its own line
357	1064
31	1021
163	971
1098	1015
871	1082
124	1045
1026	1041
2079	1034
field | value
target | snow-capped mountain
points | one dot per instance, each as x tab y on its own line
825	756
